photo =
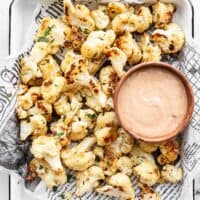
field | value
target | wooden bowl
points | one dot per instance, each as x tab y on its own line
188	90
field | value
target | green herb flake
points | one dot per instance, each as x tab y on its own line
9	95
64	117
54	188
41	167
91	116
59	135
46	33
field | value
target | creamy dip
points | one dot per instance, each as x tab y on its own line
152	102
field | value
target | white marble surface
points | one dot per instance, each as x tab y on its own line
15	189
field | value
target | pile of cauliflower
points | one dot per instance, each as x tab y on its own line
66	108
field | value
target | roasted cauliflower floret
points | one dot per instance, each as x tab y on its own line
170	150
52	88
144	18
125	21
99	152
35	125
94	66
50	177
122	145
29	71
162	13
101	19
53	32
79	16
151	51
96	43
28	99
115	8
107	119
105	136
49	68
148	147
172	174
118	59
138	156
82	123
120	186
171	38
147	172
108	78
47	148
87	180
130	47
125	165
74	67
43	108
79	157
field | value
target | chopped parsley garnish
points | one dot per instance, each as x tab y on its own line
9	95
84	30
59	135
91	116
46	33
41	167
64	117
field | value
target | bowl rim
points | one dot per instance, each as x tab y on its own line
188	88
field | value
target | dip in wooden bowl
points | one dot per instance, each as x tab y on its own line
154	101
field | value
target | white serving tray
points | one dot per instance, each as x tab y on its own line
21	16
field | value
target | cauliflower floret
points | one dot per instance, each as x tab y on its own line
119	185
88	180
126	21
130	47
49	68
27	100
118	59
148	147
147	172
79	157
52	88
50	177
94	66
52	32
115	8
42	107
151	51
162	13
79	16
108	78
172	174
99	153
96	43
150	196
109	162
170	150
62	105
107	119
29	71
47	148
101	19
122	145
105	136
82	123
22	89
68	105
124	164
74	67
144	18
171	38
138	156
35	125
